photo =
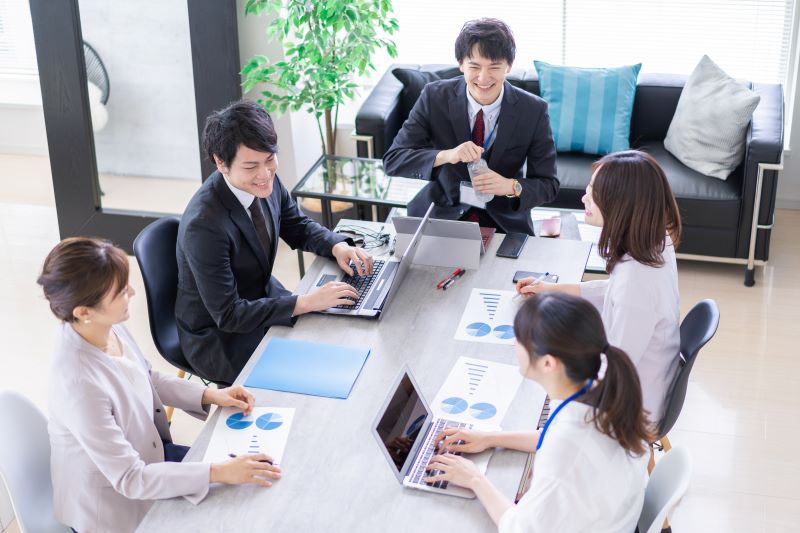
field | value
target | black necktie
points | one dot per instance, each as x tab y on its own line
262	226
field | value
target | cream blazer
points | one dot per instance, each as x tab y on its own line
107	457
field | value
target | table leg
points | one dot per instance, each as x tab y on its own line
301	263
327	216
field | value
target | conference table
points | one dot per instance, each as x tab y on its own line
334	475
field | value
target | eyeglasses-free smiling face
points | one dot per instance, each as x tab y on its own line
484	76
251	171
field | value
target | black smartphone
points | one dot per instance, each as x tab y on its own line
512	245
520	274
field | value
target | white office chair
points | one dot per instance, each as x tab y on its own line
25	464
668	483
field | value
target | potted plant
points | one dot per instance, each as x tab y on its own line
327	43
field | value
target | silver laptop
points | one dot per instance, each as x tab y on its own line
406	429
376	290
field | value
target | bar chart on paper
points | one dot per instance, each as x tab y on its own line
265	430
477	392
488	317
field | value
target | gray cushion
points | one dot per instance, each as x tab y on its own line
708	130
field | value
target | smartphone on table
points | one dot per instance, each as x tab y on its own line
512	245
521	274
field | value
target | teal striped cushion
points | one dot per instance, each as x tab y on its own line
590	108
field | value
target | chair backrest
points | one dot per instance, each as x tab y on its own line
697	328
154	249
667	485
25	463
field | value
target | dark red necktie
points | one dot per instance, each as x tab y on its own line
477	129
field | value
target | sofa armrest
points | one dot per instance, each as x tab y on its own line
764	146
380	116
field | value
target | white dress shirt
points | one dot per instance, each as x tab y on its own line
583	480
244	197
491	113
641	312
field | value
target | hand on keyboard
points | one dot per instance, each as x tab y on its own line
352	260
460	440
452	469
329	295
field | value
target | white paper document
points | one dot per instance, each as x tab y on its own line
265	430
488	317
589	233
477	392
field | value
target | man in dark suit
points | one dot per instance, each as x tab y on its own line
227	240
458	121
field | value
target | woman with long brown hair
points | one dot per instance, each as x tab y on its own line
591	461
630	198
111	449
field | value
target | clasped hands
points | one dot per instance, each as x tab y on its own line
490	182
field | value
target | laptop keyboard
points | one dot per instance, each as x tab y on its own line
427	452
361	283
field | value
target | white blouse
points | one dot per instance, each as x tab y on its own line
583	480
640	306
138	376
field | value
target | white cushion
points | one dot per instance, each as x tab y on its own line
707	133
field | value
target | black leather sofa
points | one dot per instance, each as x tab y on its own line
718	216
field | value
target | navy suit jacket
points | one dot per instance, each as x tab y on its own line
440	121
227	297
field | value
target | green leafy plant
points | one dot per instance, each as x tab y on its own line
327	43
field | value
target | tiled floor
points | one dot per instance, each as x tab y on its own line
739	420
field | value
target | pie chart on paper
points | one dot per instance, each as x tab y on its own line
269	421
479	329
482	411
504	332
454	405
239	421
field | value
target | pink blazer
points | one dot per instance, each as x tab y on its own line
107	456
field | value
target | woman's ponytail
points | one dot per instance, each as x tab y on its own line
619	411
570	329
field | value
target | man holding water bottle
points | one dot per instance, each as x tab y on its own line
471	137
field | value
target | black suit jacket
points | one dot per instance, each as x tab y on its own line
227	297
440	121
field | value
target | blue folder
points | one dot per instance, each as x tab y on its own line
308	368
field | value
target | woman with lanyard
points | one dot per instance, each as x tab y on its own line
590	470
111	449
629	197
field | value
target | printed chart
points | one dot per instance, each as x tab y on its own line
488	317
265	430
477	391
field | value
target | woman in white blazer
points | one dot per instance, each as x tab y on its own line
630	198
111	448
590	467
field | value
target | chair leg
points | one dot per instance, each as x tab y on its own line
169	410
652	463
666	444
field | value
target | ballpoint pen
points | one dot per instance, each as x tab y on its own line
517	296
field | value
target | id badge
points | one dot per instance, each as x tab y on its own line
468	196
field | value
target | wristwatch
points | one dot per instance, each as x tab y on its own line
517	189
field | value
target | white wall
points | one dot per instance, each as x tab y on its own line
145	47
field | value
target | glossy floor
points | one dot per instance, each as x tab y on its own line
739	420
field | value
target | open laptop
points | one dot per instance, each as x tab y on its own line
376	290
405	429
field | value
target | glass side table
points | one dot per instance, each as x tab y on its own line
355	180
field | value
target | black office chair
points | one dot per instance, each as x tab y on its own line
697	328
154	249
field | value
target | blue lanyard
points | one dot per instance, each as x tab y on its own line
488	141
583	390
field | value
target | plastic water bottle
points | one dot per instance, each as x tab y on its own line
476	168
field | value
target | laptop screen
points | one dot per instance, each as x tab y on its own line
402	423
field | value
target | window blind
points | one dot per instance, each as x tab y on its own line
17	50
748	38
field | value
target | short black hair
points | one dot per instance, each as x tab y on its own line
493	37
242	122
